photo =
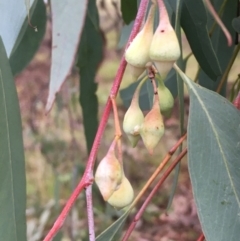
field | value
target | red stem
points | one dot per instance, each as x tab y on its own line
236	102
87	178
153	192
201	237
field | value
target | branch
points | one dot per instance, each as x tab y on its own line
87	178
153	192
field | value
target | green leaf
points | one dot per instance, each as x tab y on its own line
12	16
28	40
194	23
129	10
213	156
89	57
223	51
12	166
236	24
67	22
112	230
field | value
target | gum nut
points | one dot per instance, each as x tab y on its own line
123	196
108	176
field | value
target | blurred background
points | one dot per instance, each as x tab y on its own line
56	154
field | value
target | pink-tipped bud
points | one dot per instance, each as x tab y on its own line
152	128
137	54
123	196
166	100
164	49
109	174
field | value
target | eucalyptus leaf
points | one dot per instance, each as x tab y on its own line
213	156
12	164
67	23
28	41
112	230
222	50
90	55
12	17
194	24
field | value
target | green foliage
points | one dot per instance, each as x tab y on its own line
12	166
28	40
213	124
90	55
194	24
112	230
213	156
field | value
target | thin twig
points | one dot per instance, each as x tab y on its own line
158	170
153	192
201	237
90	213
118	132
87	178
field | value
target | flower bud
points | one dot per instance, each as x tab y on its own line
166	100
109	174
133	120
164	49
134	117
152	128
137	54
123	196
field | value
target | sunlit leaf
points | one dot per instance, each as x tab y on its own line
12	165
12	16
67	23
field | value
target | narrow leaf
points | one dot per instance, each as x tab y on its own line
111	231
67	23
89	57
213	156
12	166
12	16
194	23
28	40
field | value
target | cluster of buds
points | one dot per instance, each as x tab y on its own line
112	182
161	47
150	127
